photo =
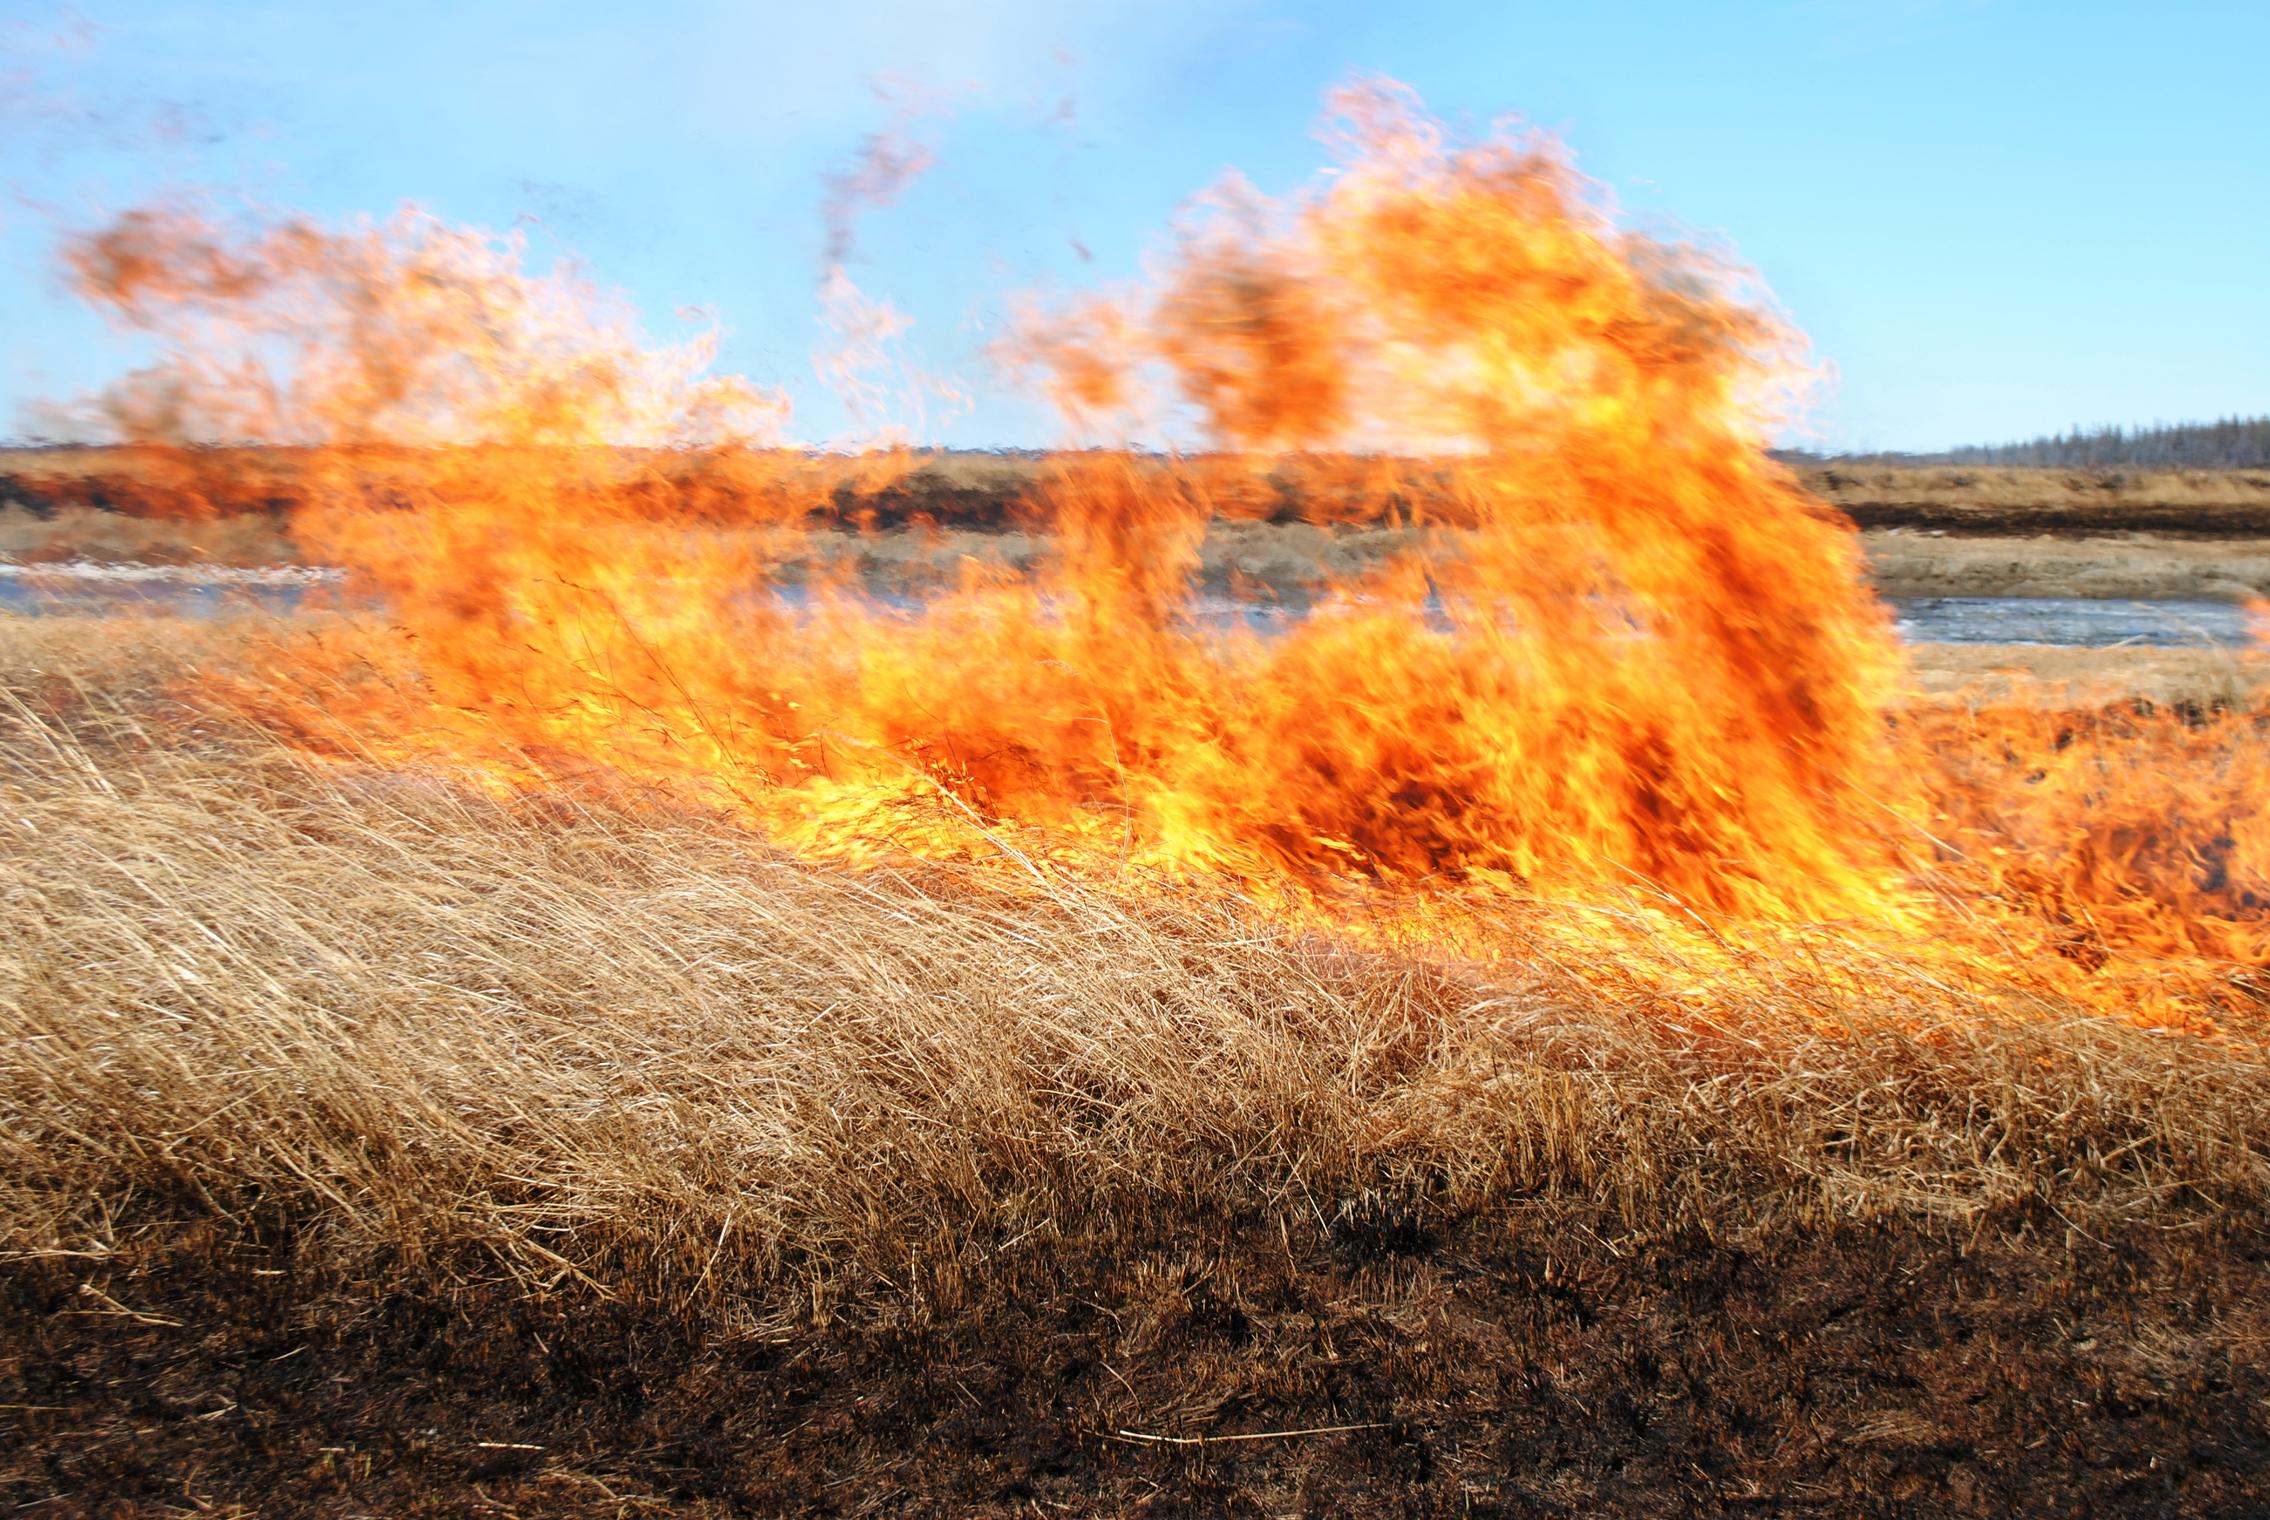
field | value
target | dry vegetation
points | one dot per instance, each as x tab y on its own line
36	474
367	1146
115	538
1928	531
2137	565
2010	501
2059	678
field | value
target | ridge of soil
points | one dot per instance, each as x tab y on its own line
982	491
2236	522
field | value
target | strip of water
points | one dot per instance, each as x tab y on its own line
2080	622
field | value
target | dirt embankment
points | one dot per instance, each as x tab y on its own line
972	489
2014	503
2201	534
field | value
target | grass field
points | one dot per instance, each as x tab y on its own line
1926	531
1935	534
369	1146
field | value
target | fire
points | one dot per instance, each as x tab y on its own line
1628	655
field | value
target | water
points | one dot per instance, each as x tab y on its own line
46	590
2071	621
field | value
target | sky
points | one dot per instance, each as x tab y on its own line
1992	219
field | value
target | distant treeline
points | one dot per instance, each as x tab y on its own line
2233	443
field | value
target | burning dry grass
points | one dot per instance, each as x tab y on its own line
627	1077
643	1048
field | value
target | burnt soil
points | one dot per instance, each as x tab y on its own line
2021	1366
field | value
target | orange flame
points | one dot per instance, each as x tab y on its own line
1627	652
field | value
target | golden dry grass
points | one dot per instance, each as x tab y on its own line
89	533
2130	566
2042	491
2060	677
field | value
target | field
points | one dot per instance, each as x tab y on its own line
1925	531
377	1140
373	1145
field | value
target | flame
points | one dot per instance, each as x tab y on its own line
1625	656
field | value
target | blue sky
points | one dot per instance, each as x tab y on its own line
1992	218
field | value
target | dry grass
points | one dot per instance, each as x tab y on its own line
2007	487
112	538
2133	566
2042	491
2057	677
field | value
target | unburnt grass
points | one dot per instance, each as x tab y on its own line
371	1146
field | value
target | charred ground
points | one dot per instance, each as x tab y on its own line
1533	1361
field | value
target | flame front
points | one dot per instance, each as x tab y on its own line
1626	654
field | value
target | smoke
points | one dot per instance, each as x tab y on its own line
888	161
862	359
